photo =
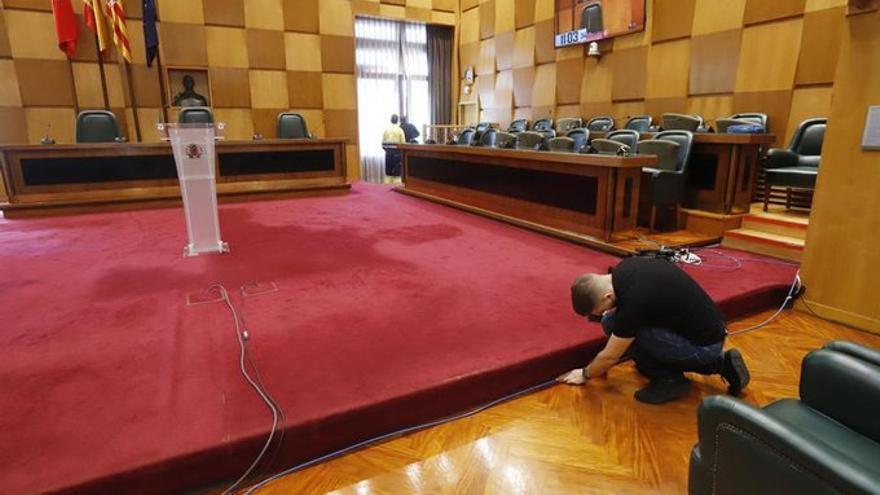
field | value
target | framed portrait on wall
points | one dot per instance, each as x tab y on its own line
188	87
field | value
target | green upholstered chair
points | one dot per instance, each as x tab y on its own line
97	126
639	123
826	442
465	137
568	124
529	140
613	141
601	124
667	180
292	126
505	139
681	121
196	115
518	125
543	125
721	125
561	144
797	166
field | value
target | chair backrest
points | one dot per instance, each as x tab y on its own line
685	139
96	126
639	123
628	137
487	138
608	147
567	124
529	140
505	139
292	126
665	150
465	137
542	125
752	118
518	125
483	126
591	18
681	121
564	144
739	119
580	136
602	123
196	115
807	140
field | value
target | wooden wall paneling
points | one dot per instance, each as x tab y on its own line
668	69
305	89
544	94
32	35
315	121
5	49
714	60
524	48
524	13
807	103
362	7
673	19
485	89
117	91
711	107
134	9
301	15
820	46
445	5
352	162
226	47
265	121
630	73
505	16
504	90
640	38
486	64
239	123
149	117
135	41
711	16
524	113
470	27
762	11
44	83
225	12
469	55
337	53
341	123
58	122
523	85
843	221
768	56
265	49
185	44
469	4
570	52
777	106
269	14
543	112
624	110
854	7
191	11
544	10
10	95
147	90
501	116
230	87
591	109
417	14
656	107
569	77
567	111
269	89
597	80
85	44
303	51
504	49
487	19
340	91
28	5
443	18
13	126
544	33
813	5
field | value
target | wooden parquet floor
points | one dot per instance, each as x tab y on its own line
571	440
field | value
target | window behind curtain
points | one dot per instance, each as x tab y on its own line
392	71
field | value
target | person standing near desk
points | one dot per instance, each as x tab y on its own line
409	130
392	136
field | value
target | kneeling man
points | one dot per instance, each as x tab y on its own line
656	314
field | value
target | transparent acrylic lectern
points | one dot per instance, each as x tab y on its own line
195	156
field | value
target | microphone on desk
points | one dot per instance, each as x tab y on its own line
47	139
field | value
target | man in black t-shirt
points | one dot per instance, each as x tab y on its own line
659	316
409	130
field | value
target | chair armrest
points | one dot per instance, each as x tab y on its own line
781	158
864	353
752	452
844	388
608	146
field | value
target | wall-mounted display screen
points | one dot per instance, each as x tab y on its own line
584	21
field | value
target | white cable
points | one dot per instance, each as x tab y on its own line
796	284
263	394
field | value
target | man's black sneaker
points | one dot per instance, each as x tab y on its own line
735	372
662	390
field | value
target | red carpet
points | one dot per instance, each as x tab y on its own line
390	311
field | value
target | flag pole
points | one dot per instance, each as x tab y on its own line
133	98
73	86
101	70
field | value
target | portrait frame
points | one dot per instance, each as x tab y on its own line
174	83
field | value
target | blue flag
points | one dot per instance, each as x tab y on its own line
151	37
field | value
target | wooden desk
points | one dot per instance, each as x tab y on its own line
44	180
723	170
593	195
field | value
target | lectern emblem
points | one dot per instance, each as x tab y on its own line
194	151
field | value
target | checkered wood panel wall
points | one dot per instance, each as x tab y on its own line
263	57
712	57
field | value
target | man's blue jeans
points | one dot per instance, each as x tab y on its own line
661	353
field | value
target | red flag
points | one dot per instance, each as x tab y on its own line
65	26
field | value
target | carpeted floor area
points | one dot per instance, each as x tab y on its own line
390	311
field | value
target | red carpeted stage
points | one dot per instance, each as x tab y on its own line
390	311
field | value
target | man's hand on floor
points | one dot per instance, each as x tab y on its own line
573	377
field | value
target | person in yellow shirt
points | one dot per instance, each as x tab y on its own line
393	134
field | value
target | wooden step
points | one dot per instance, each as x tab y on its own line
795	227
775	245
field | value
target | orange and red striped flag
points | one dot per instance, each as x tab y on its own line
94	18
120	33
